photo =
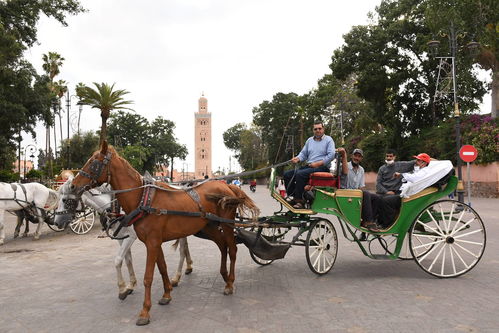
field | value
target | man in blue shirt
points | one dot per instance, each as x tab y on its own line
318	152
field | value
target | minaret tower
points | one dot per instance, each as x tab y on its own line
202	140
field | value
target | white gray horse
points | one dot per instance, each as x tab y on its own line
101	200
33	196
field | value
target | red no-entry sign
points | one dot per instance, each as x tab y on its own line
468	153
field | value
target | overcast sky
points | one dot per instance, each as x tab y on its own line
167	53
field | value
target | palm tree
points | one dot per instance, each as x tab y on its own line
60	88
51	65
105	99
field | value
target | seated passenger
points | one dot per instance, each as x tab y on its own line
353	178
379	212
385	182
424	174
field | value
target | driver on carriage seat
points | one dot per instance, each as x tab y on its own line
318	152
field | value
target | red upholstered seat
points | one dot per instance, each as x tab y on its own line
323	179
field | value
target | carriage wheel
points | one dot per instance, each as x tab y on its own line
83	221
271	234
321	247
447	239
49	220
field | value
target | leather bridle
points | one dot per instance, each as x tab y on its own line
95	172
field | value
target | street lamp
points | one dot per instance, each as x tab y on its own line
452	35
32	150
68	107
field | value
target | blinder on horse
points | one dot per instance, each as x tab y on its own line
95	171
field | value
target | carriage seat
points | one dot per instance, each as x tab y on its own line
323	179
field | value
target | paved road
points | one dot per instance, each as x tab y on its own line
66	283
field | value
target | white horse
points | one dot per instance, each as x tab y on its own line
100	199
33	196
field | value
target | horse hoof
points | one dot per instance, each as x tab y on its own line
164	301
188	271
1	242
142	321
16	235
36	237
124	294
174	283
228	291
24	235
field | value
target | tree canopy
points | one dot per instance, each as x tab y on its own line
105	98
24	94
380	92
144	144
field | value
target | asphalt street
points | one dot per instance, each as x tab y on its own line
67	283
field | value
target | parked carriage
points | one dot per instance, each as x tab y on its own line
85	216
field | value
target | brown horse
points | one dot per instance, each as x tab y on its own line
214	197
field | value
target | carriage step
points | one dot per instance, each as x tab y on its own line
381	256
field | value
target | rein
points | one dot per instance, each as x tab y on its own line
199	181
241	174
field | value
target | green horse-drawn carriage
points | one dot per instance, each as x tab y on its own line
445	237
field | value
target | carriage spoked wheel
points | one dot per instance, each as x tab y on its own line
321	247
447	239
49	220
83	221
272	234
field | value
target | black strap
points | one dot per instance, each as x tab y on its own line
208	216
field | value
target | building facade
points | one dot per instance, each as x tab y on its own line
202	140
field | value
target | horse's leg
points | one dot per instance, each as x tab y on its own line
181	251
188	258
40	223
26	228
160	260
131	272
128	259
216	236
230	241
2	230
152	254
20	217
118	261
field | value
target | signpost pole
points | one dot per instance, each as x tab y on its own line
468	154
468	175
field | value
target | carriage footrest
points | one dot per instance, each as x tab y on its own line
381	256
261	247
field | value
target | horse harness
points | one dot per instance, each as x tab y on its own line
29	208
145	208
95	170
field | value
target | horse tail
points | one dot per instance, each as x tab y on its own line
175	245
241	201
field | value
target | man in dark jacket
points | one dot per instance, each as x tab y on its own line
386	183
